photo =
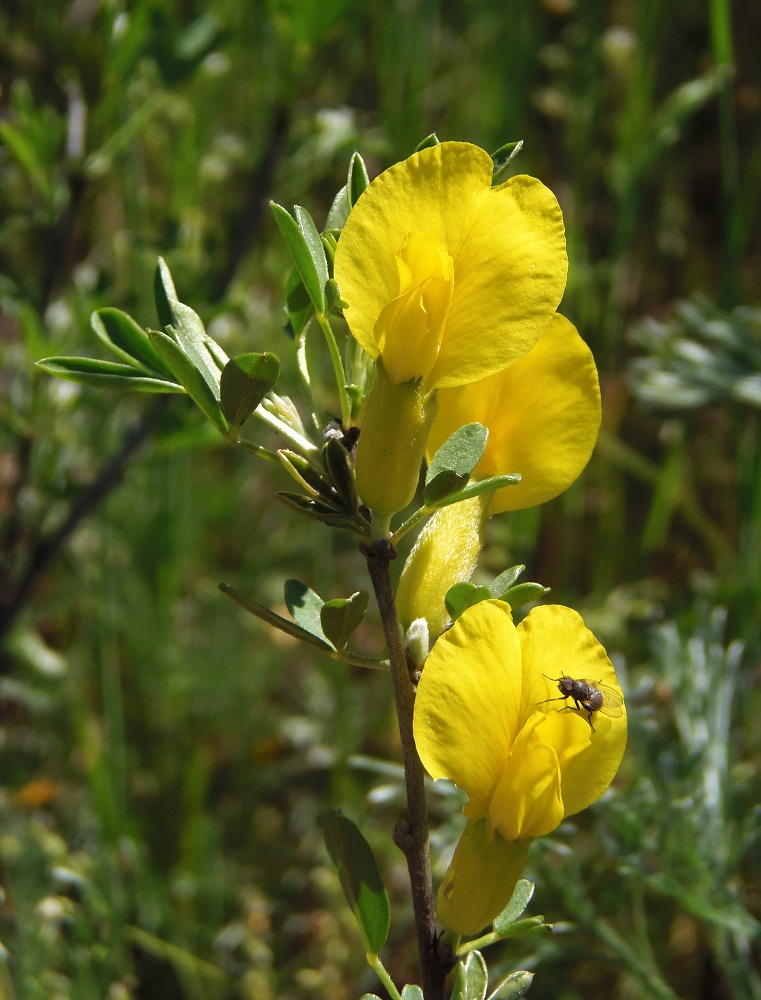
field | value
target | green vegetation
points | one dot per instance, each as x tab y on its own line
166	761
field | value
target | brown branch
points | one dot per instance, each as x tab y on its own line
412	837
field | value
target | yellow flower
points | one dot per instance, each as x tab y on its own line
543	415
483	720
448	279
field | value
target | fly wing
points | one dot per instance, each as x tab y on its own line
612	701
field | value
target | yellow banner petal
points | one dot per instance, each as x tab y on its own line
556	643
509	270
543	415
507	245
466	708
480	880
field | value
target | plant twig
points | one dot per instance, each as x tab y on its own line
410	836
381	972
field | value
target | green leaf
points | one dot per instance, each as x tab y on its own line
412	992
105	375
298	305
430	140
453	463
339	210
305	474
464	595
471	978
277	621
341	617
446	482
218	356
478	487
341	471
313	242
529	925
524	593
329	244
190	334
502	158
305	607
505	581
317	510
185	326
188	375
461	452
127	339
521	897
360	880
333	301
245	381
358	180
303	240
164	294
515	986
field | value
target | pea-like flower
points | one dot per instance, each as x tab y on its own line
490	716
447	278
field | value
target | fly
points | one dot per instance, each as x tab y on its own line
587	696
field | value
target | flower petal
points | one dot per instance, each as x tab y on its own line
480	880
528	801
466	708
543	415
507	244
409	329
510	274
554	643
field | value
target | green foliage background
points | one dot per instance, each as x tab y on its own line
164	762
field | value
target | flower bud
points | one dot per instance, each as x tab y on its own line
445	553
395	424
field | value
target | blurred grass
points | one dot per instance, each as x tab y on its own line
165	762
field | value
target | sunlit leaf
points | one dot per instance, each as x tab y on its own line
430	140
105	375
502	158
524	593
521	897
505	581
307	251
452	464
188	375
514	987
471	978
305	607
126	338
464	595
164	294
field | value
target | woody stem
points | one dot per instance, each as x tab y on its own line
412	836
